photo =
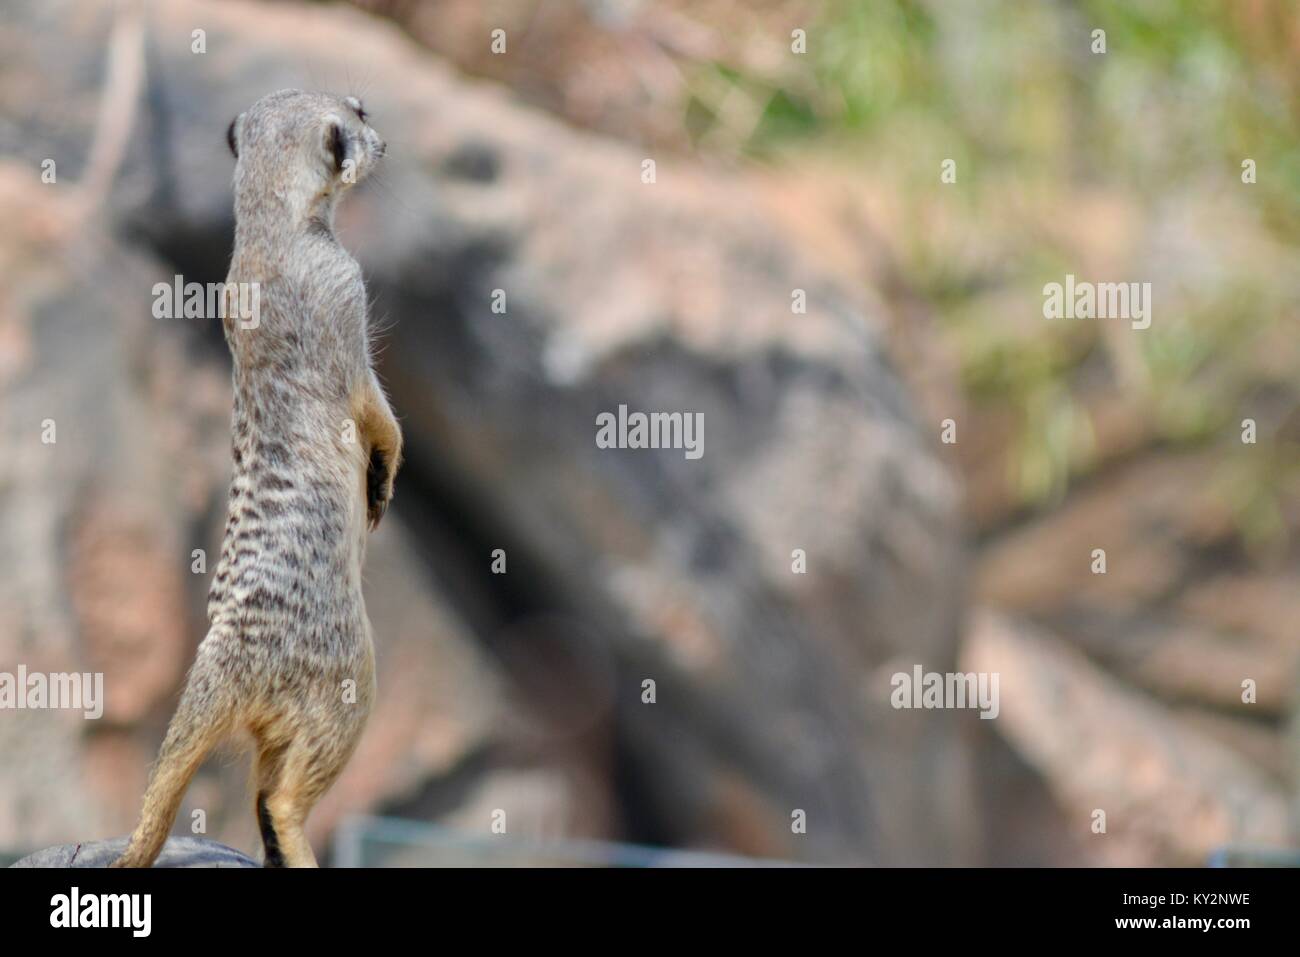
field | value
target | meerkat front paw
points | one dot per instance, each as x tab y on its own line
379	484
383	436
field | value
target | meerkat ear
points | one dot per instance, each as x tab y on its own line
232	134
336	143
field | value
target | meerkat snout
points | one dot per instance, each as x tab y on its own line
354	143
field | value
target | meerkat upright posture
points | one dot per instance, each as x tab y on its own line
289	656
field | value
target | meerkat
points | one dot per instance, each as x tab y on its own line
289	656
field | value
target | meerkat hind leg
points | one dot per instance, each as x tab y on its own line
281	816
307	768
269	762
202	719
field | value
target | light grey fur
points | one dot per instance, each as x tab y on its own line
289	655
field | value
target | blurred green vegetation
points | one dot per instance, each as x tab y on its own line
1157	126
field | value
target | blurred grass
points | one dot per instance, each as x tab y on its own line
1158	124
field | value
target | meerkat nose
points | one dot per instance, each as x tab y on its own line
381	147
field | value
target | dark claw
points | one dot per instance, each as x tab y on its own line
377	486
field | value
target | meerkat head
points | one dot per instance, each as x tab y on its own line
305	148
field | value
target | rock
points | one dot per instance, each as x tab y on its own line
1171	792
94	573
177	852
1180	622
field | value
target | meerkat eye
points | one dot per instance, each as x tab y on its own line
230	138
357	108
